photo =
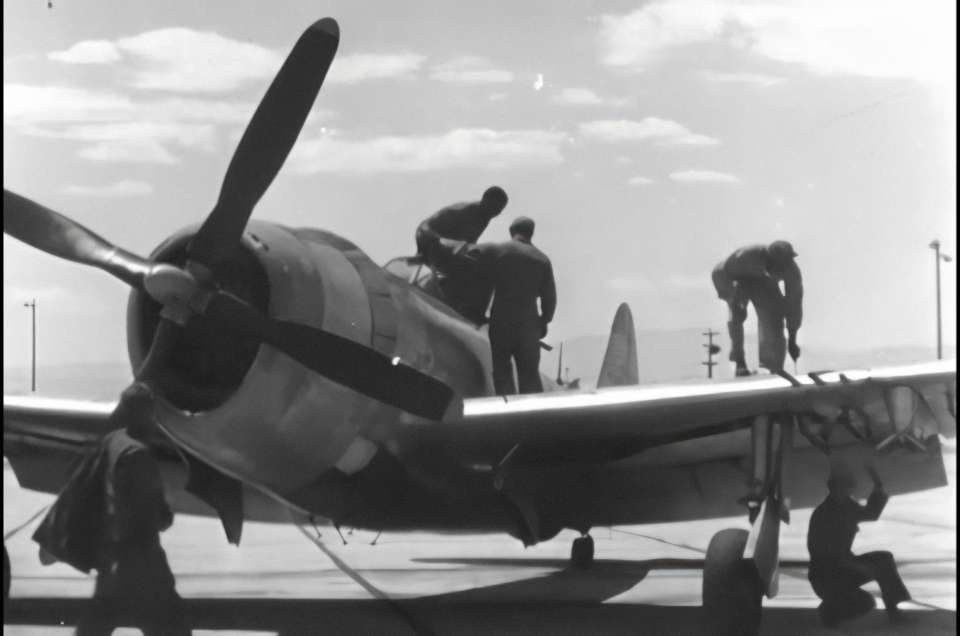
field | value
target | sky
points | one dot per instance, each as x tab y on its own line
648	140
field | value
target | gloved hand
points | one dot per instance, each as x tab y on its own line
794	349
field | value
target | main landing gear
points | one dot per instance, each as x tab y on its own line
581	555
732	590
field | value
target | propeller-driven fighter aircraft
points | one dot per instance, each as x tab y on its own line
291	378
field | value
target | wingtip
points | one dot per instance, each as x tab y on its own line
328	26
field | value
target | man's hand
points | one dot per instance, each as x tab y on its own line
874	476
794	349
543	330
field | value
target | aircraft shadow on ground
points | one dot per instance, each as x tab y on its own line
568	600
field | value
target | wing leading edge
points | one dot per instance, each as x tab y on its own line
614	423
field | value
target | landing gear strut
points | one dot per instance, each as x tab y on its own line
581	555
6	574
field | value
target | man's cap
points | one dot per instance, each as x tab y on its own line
496	196
523	226
782	248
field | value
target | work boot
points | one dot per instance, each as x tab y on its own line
742	372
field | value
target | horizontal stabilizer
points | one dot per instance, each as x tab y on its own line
620	362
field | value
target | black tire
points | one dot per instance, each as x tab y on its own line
581	555
732	594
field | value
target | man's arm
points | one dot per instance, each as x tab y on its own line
875	504
548	298
793	295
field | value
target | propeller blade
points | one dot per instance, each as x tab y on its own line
265	144
58	235
344	361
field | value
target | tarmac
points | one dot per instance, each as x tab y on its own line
286	579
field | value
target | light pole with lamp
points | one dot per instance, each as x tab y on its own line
33	358
935	245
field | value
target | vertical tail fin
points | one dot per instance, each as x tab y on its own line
620	362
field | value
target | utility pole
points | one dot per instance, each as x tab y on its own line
33	358
935	245
560	366
711	350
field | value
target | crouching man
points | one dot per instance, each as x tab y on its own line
836	574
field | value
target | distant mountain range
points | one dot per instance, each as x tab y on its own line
662	356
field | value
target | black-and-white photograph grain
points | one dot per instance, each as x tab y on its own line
434	318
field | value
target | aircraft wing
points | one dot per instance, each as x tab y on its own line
609	424
43	438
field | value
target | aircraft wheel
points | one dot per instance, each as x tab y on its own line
581	555
6	574
732	594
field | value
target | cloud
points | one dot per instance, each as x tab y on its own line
116	128
25	105
662	130
578	97
470	70
118	189
183	60
350	69
761	81
704	176
628	284
641	181
88	52
462	147
880	38
186	61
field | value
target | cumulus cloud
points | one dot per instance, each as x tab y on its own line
458	148
350	69
628	284
88	52
881	38
755	79
187	61
470	70
116	128
661	130
578	97
118	189
641	181
704	176
184	60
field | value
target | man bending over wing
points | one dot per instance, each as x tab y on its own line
753	274
437	241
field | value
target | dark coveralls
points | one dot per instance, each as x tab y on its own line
752	275
462	286
109	518
835	573
520	274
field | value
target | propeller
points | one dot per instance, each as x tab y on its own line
55	234
184	293
267	141
344	361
